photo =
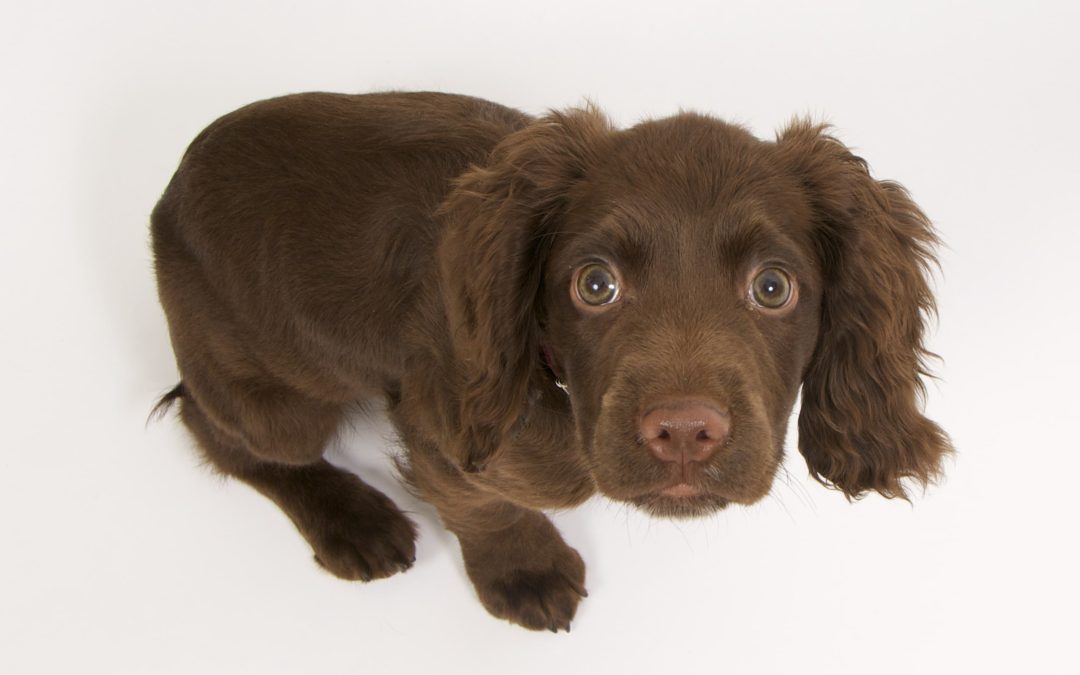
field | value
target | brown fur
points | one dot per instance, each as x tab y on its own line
320	249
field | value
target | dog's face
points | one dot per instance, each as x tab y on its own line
681	298
685	279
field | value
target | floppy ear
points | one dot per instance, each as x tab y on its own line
499	220
861	427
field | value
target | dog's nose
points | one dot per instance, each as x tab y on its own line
685	430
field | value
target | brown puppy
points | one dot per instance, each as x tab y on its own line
550	307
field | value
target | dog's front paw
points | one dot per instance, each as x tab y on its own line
527	574
366	554
361	536
544	600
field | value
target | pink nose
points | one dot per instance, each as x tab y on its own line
685	430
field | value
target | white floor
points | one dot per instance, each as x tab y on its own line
120	554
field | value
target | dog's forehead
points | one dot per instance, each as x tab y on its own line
689	151
690	182
692	166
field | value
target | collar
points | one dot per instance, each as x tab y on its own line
549	359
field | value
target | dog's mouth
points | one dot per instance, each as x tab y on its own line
685	489
680	490
682	470
681	500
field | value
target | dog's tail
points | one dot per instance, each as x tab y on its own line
165	402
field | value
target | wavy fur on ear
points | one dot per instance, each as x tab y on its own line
499	218
861	427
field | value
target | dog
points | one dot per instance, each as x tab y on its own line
550	307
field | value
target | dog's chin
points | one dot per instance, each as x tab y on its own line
677	503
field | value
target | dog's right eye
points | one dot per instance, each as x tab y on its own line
595	285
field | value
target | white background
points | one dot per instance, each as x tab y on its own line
121	554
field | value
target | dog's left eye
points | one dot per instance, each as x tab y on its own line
772	288
595	284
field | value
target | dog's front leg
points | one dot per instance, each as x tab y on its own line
522	569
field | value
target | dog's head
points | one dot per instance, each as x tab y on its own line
685	279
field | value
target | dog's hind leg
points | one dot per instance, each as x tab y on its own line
355	531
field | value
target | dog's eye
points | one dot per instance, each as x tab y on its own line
596	285
771	288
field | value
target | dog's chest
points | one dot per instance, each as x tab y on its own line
541	467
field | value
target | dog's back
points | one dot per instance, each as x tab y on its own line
294	250
286	218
